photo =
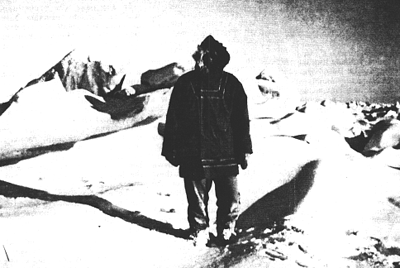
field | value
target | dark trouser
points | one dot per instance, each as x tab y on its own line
228	200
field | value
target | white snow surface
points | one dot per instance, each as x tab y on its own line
343	190
348	192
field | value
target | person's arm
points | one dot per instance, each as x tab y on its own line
241	127
169	148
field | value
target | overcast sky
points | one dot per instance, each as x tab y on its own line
341	50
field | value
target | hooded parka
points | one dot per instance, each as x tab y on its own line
207	125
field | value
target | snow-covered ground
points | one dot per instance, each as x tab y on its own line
113	201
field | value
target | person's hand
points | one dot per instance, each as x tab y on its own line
244	163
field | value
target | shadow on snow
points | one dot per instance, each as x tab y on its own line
14	191
34	152
281	202
267	212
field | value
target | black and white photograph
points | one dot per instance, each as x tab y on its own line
200	133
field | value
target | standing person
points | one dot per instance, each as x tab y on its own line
207	136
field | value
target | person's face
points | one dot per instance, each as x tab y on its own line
204	61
